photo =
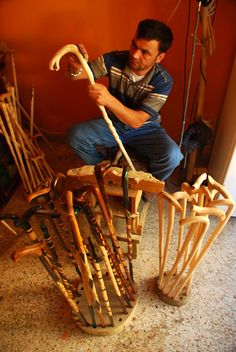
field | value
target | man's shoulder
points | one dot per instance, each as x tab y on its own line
161	73
116	58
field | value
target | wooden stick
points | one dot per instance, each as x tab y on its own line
9	227
5	134
160	203
82	257
202	85
171	212
39	133
14	141
15	84
25	153
173	206
174	290
32	114
98	272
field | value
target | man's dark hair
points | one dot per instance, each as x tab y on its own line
150	29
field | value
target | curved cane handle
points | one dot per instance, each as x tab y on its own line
54	64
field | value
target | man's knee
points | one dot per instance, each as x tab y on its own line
163	164
174	155
74	135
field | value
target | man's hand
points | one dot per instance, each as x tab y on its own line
74	66
100	94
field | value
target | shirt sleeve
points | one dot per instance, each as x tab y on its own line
160	88
98	67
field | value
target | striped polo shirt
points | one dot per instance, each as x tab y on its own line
148	94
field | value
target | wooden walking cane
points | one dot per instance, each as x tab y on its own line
100	170
128	219
164	241
87	278
54	255
55	65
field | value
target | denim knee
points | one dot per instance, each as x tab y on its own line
162	165
175	155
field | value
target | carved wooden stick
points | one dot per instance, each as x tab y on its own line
82	257
164	249
55	65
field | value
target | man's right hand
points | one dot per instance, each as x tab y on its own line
74	67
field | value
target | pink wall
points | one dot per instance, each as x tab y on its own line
36	30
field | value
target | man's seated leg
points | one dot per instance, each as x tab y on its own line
152	142
86	139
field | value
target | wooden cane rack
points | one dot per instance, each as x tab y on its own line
189	222
102	293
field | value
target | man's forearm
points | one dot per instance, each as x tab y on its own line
133	118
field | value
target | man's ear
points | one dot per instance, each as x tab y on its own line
160	57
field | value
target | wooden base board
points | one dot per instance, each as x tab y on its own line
120	318
178	302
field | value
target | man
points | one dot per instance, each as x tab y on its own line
138	88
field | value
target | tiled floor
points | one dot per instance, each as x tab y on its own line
35	316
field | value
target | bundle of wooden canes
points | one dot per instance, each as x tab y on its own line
22	142
97	286
202	211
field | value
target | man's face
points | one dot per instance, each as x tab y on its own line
143	55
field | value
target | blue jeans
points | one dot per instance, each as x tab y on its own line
150	141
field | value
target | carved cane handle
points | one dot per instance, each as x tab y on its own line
33	249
